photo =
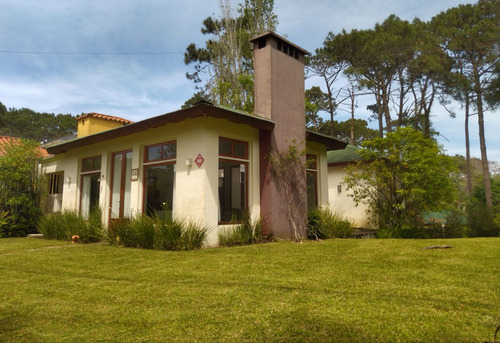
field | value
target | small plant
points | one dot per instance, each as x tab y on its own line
323	224
148	232
63	225
4	219
241	233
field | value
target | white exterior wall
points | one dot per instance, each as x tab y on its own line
341	202
196	188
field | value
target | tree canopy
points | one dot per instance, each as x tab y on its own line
400	177
223	69
40	127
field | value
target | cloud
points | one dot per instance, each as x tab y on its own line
140	86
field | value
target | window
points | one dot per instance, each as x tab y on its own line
56	183
233	148
161	152
54	199
91	164
159	179
312	181
233	179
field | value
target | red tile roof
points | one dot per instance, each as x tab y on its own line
104	116
7	141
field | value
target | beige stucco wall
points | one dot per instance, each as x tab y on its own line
341	202
196	188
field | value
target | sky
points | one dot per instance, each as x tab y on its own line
125	57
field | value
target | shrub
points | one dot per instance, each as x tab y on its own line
148	232
244	232
454	227
63	225
4	219
193	236
19	193
481	220
323	224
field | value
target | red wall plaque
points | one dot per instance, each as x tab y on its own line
199	160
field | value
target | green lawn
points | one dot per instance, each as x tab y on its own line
330	291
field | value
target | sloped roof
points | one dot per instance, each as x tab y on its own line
104	116
275	35
7	141
341	157
330	142
202	109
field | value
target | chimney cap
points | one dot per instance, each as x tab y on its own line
278	37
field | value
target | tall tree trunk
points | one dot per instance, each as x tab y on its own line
380	117
467	147
386	110
482	141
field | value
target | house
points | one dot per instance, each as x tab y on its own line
339	198
207	163
8	141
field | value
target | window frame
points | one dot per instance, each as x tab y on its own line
160	160
56	186
93	170
232	155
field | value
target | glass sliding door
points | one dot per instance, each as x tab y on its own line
90	186
121	184
233	180
159	179
159	190
90	193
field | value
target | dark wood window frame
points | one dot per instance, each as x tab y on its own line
93	160
159	160
232	155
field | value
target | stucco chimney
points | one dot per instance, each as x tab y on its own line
279	96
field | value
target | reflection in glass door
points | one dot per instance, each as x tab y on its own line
120	185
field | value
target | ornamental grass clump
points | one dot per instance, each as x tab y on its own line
241	232
151	232
322	223
63	225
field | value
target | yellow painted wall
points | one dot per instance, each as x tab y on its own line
90	125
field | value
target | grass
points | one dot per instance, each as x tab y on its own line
329	291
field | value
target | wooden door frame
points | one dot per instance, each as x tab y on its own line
122	183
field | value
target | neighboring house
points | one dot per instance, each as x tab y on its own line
339	198
207	163
8	141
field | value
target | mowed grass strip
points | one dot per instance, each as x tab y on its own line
329	291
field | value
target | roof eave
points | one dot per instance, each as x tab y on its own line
330	142
200	110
